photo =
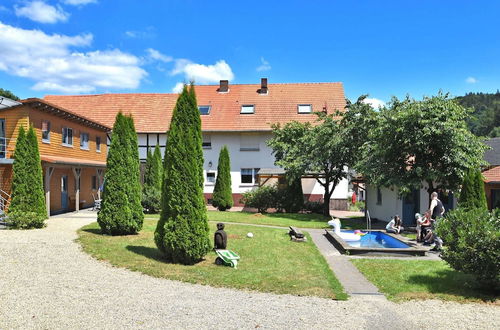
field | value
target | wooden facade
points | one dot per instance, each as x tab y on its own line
73	161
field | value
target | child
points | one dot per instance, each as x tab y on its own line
394	226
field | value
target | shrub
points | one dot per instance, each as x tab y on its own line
262	198
151	201
25	220
222	198
358	206
314	207
182	231
472	194
293	197
472	243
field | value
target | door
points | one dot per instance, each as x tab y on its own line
411	203
64	192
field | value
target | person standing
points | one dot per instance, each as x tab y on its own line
436	210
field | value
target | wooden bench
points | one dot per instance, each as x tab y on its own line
296	235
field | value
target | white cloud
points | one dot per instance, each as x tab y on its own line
375	103
50	61
264	66
148	33
79	2
471	80
41	12
203	74
178	87
156	55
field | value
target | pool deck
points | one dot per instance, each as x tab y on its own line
343	247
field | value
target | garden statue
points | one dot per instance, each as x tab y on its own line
220	237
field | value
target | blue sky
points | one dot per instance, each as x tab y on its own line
381	48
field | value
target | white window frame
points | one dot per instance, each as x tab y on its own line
245	109
304	105
206	142
254	176
98	145
208	182
66	144
205	106
47	140
83	147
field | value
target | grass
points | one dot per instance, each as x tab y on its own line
300	220
270	262
422	279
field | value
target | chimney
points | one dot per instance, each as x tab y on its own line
263	86
224	86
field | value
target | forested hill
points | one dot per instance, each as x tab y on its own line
485	120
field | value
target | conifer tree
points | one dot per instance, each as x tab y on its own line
472	195
182	231
134	176
116	216
153	176
222	197
27	182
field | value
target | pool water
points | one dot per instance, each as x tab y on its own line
377	239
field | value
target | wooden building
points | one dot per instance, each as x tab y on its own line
72	150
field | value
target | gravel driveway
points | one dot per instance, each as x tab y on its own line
47	282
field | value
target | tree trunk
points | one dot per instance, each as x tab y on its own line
430	190
326	202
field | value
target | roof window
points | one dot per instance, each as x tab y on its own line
304	108
204	109
247	109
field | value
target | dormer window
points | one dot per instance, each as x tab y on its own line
304	108
247	109
204	109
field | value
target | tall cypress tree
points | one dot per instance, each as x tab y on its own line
182	231
222	197
27	181
472	195
135	190
153	176
115	216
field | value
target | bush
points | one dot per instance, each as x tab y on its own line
472	194
314	207
151	201
25	220
293	197
358	206
262	198
472	243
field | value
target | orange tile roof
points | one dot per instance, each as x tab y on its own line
492	174
71	161
152	112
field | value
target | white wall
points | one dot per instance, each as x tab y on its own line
390	206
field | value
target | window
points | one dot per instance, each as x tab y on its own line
249	175
94	182
84	141
207	142
249	142
98	143
379	196
204	109
210	177
46	131
304	108
67	136
247	109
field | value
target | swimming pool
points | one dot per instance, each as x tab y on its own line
376	242
377	239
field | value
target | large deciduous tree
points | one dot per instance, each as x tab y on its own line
27	181
324	149
182	231
119	214
222	197
421	141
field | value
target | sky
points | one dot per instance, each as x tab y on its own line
381	48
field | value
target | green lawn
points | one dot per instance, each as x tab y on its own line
421	279
299	220
270	262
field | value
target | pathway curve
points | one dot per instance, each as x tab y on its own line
47	282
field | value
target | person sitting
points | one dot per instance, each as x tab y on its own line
394	226
423	225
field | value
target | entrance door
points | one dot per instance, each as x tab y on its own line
411	203
64	192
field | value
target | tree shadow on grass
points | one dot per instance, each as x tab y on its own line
96	231
299	217
148	252
454	283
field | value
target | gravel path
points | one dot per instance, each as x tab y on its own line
47	282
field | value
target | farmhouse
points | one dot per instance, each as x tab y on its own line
72	150
239	116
